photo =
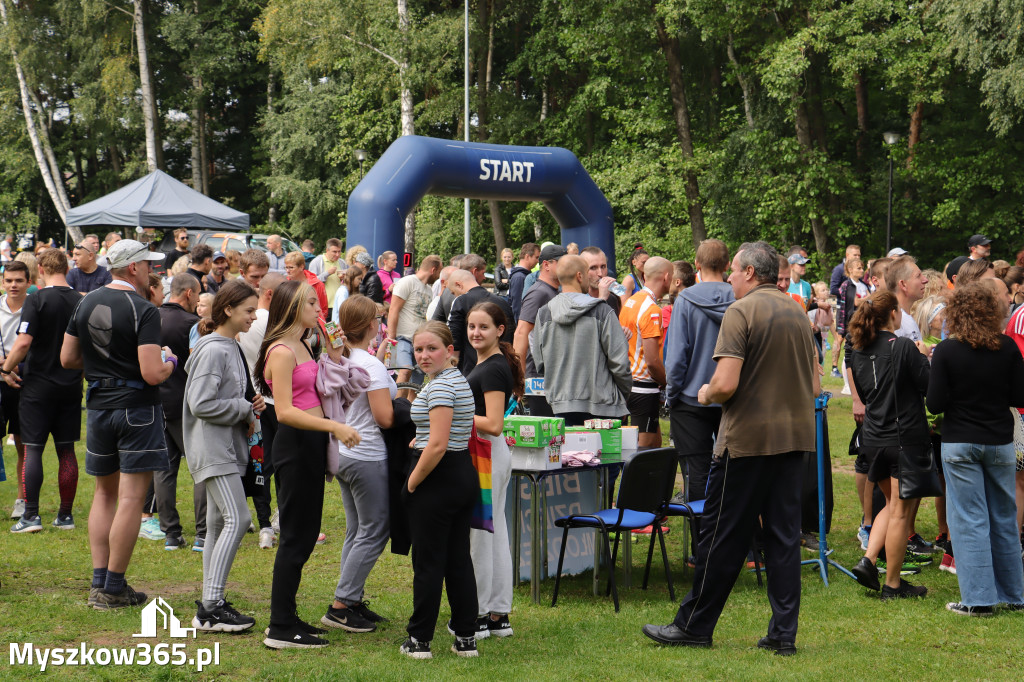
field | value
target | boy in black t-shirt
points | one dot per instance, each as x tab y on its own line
51	396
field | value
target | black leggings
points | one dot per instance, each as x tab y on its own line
299	464
439	514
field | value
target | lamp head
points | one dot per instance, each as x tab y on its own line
360	155
891	138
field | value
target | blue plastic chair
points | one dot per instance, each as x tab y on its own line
647	483
694	510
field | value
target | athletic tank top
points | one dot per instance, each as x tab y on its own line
304	395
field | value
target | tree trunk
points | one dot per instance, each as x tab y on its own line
114	157
149	112
272	210
197	157
673	60
744	85
54	186
861	91
916	121
803	136
408	122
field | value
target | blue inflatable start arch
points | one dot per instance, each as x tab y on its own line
415	166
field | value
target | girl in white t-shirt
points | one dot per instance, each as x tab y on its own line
363	472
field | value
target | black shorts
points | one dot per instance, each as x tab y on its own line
643	411
861	464
10	413
129	440
883	462
49	409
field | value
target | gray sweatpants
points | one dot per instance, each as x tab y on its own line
492	555
227	520
364	491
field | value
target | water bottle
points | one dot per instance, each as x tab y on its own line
617	289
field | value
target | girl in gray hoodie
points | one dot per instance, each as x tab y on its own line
216	422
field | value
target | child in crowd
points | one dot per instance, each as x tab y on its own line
216	424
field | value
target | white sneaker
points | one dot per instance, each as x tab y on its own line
266	538
19	509
845	391
150	529
275	521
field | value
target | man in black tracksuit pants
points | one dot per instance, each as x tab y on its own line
177	317
765	380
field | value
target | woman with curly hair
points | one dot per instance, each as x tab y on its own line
977	374
891	377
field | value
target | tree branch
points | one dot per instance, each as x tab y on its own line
372	49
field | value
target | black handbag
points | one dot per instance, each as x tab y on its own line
918	471
253	479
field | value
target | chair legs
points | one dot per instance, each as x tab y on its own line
664	558
608	557
561	556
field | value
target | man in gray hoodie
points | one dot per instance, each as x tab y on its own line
689	347
579	348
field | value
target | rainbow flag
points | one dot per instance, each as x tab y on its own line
483	512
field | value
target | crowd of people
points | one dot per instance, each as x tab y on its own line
272	373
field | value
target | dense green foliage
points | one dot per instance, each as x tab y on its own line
737	120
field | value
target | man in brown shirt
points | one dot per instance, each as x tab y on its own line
766	380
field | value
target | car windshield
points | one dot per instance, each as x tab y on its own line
261	243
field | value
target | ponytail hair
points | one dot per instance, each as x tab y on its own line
355	317
870	317
638	250
497	315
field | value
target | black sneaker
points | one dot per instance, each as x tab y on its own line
415	649
918	546
173	543
809	542
965	610
465	647
481	625
346	619
1014	607
126	597
221	618
904	591
501	627
293	638
866	574
780	648
363	609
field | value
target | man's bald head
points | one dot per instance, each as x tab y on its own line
658	275
270	282
572	273
461	281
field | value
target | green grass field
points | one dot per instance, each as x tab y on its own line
845	631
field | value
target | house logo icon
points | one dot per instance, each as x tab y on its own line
159	612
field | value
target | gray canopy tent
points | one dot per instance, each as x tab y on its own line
158	200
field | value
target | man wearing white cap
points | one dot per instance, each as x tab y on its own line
114	335
798	268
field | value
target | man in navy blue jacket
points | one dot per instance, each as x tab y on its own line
696	318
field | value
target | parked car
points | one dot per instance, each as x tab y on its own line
238	241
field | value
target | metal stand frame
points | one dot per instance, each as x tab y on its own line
823	561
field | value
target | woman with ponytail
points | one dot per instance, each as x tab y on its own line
634	281
362	472
891	377
498	376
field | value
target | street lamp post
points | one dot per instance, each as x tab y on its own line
890	139
360	155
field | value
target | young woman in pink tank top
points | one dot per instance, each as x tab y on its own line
287	369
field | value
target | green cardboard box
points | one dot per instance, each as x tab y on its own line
534	432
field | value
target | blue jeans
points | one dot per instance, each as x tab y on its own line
981	512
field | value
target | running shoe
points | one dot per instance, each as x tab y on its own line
965	610
27	525
482	631
501	627
275	521
905	569
948	564
294	637
904	591
93	593
346	619
942	543
174	543
647	530
863	534
321	539
465	647
199	544
221	618
150	529
19	509
835	373
413	648
809	542
64	522
126	597
266	538
918	546
363	609
866	574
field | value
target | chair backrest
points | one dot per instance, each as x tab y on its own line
648	480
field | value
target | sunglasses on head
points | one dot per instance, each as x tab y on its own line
84	247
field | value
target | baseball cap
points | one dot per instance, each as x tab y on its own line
128	251
897	251
797	259
954	267
978	240
551	252
217	255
